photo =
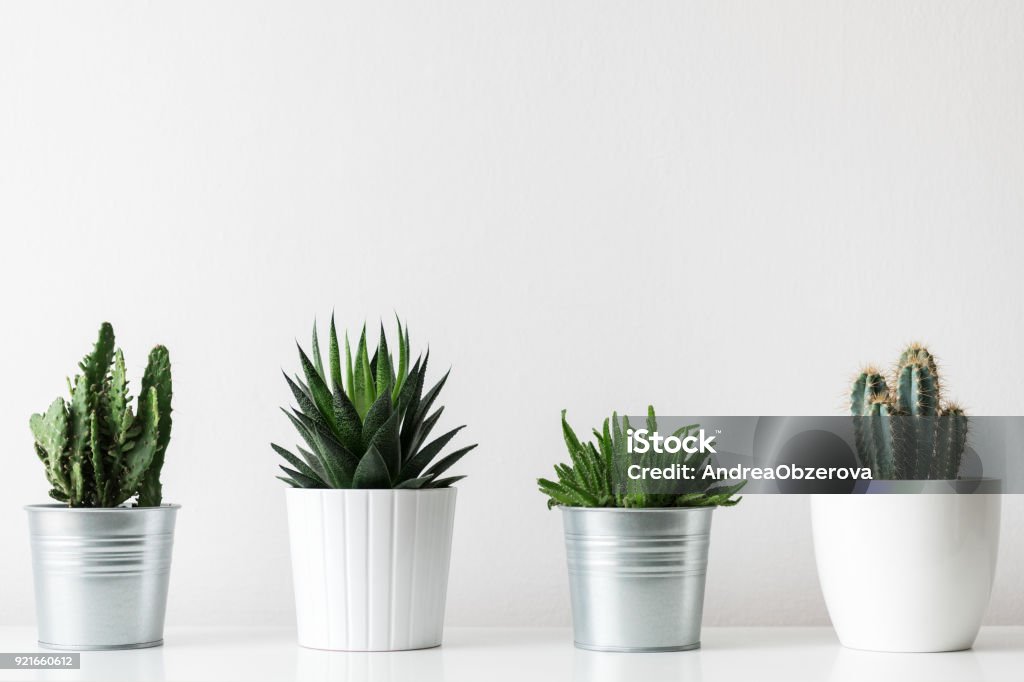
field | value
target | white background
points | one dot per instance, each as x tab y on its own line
718	207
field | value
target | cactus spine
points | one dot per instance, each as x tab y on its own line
96	451
908	433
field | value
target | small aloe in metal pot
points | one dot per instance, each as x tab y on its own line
632	550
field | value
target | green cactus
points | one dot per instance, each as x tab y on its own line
917	406
868	388
950	441
96	451
156	389
880	443
907	434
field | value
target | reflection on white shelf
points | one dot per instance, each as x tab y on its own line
536	655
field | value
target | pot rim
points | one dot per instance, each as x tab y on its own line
374	491
96	510
635	510
982	485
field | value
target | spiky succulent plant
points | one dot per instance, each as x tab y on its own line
96	450
370	428
911	432
590	480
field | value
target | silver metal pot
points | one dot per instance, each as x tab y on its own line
636	577
101	575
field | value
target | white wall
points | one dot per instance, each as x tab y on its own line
717	207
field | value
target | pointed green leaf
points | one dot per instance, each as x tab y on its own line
385	439
346	418
403	361
408	396
366	368
446	462
314	463
303	468
308	407
384	375
428	400
586	499
572	441
419	460
301	479
338	461
557	493
359	388
335	359
380	411
318	389
350	388
372	472
318	362
331	465
424	429
413	483
446	482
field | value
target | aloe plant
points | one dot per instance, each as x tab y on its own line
590	481
97	451
366	419
910	431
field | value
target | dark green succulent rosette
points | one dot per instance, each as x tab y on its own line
365	420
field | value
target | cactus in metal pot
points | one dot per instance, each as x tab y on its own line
909	432
97	451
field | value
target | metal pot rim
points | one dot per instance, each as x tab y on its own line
636	510
372	491
96	510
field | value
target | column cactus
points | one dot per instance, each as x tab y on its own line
908	433
97	451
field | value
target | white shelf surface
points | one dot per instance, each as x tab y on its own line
532	654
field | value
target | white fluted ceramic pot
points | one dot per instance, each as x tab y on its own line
370	567
906	572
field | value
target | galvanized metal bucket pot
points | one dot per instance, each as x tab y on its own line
636	576
370	566
101	575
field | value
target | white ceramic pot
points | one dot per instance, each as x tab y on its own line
906	572
370	567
